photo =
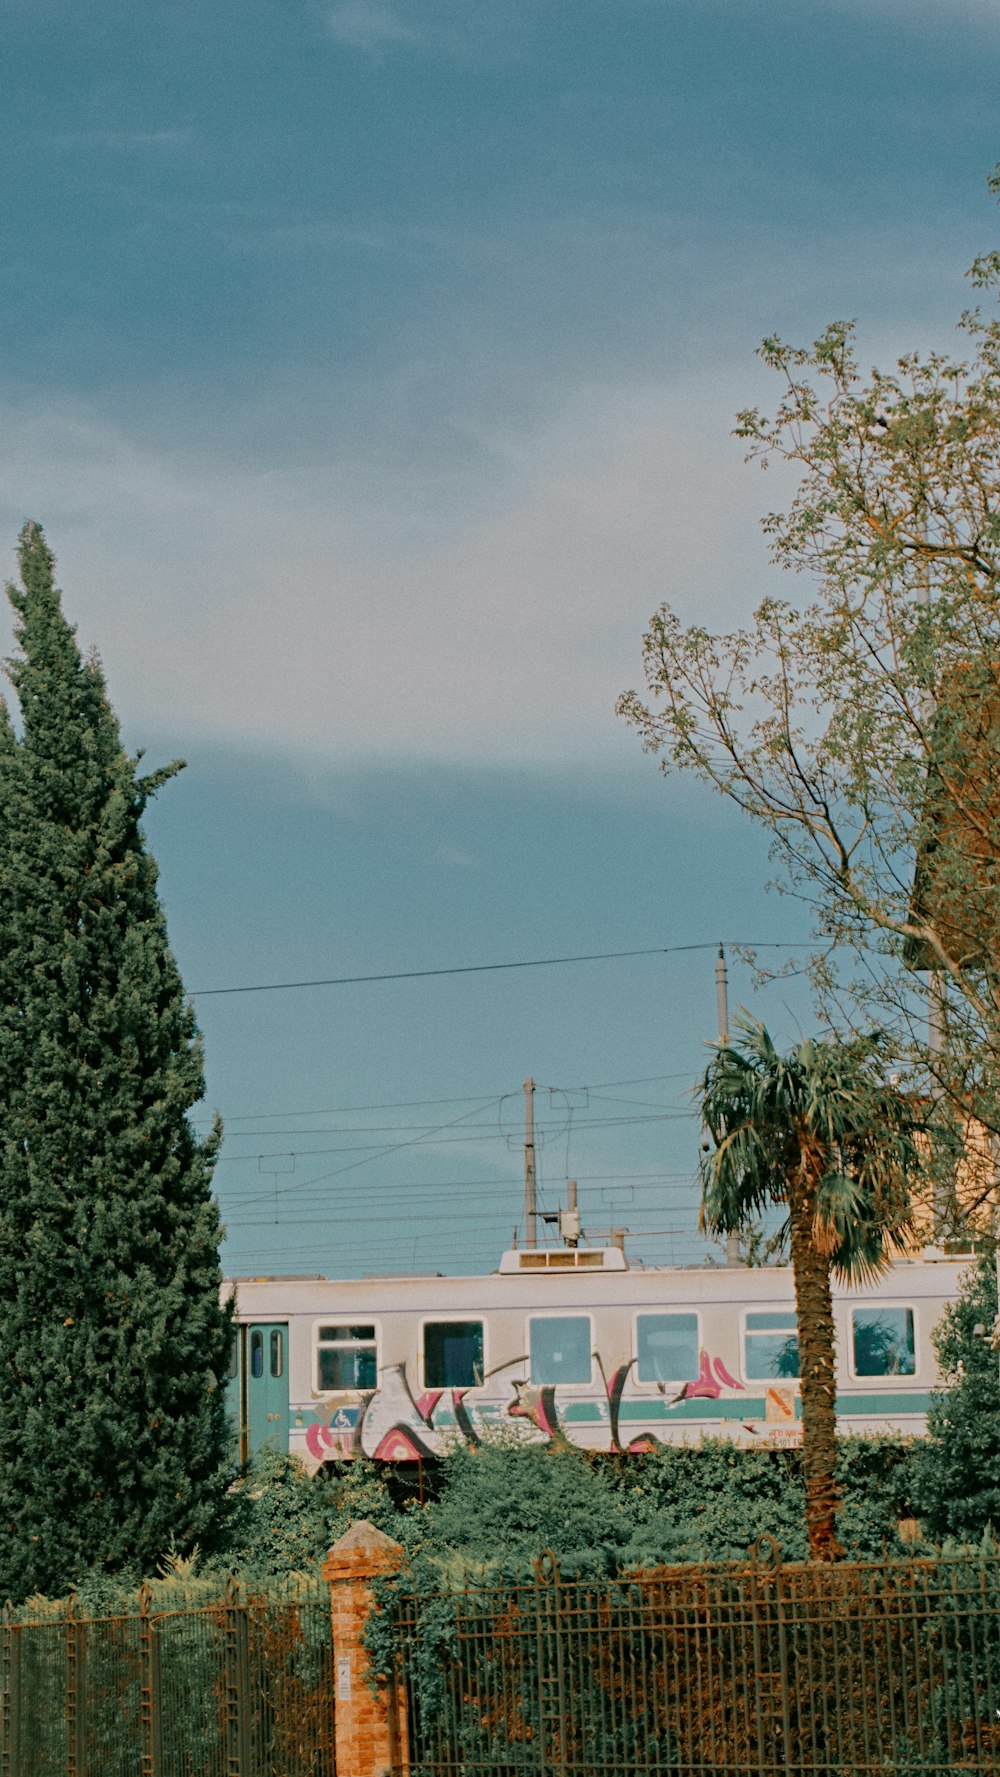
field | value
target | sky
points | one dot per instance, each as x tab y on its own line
372	368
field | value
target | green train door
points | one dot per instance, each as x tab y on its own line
264	1391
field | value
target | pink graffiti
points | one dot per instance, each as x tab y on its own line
426	1404
399	1446
705	1384
397	1422
537	1404
724	1376
319	1440
325	1442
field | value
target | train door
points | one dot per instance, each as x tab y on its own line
264	1365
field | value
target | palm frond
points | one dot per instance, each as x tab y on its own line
826	1102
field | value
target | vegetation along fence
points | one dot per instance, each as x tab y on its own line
830	1671
241	1687
703	1671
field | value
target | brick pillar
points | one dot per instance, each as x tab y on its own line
370	1728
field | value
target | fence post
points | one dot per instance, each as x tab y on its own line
76	1701
149	1688
10	1722
768	1620
370	1726
237	1684
551	1691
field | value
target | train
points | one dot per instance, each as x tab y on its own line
572	1344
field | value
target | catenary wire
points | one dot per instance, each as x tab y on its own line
483	1133
537	962
398	1202
443	1191
403	1104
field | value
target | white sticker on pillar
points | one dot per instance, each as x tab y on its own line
343	1678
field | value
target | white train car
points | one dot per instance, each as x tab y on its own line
569	1344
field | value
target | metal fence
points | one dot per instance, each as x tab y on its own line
237	1688
831	1671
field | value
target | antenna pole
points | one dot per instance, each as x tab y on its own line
530	1192
722	997
569	1218
722	1005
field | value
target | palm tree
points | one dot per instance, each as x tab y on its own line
822	1132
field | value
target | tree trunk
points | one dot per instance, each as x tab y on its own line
817	1377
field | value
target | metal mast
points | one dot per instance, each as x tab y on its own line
722	1006
530	1192
722	997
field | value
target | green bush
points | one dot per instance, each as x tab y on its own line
710	1502
955	1470
500	1505
505	1502
283	1520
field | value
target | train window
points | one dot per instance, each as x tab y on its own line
346	1357
277	1352
560	1348
772	1346
453	1354
883	1341
667	1347
234	1357
256	1354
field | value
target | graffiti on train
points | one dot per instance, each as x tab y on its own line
392	1424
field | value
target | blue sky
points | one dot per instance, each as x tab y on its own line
372	369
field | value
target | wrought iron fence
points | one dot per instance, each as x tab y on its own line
800	1670
237	1688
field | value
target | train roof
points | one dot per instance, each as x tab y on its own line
575	1262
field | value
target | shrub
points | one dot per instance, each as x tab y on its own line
955	1470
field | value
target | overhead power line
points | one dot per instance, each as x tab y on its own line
402	1198
396	1104
481	1132
537	962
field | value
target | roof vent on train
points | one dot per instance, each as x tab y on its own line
600	1258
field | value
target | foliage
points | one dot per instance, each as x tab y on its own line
874	1476
500	1506
504	1502
757	1248
822	1121
861	727
112	1341
821	1132
283	1520
956	1469
490	1655
712	1501
269	1647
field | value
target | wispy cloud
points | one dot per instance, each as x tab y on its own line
366	24
495	34
934	15
365	614
454	558
456	857
125	141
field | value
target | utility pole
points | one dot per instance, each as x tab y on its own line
722	1007
530	1193
722	997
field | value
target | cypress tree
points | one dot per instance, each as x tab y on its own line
113	1345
